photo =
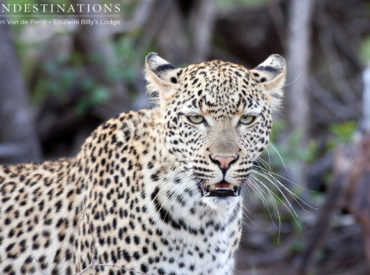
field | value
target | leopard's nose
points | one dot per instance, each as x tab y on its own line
224	161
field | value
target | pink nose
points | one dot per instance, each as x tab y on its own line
223	162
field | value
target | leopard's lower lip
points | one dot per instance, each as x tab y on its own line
222	189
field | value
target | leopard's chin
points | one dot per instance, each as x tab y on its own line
221	189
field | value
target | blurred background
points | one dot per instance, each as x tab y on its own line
311	214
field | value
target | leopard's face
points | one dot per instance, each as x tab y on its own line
217	119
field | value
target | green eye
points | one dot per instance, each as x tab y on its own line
196	119
247	119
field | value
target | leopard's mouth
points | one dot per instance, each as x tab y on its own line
220	189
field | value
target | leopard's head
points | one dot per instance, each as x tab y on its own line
217	117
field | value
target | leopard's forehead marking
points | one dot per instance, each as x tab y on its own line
219	88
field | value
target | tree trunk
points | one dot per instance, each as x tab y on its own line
95	43
177	45
201	26
298	64
17	126
171	40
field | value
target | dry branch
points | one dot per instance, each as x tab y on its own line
319	231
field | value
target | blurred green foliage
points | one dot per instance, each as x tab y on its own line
57	81
340	133
365	50
297	246
290	149
60	76
93	95
127	59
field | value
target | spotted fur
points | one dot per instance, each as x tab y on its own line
130	201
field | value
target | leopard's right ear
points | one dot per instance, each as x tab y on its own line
161	76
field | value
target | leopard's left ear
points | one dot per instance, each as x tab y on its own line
271	76
161	76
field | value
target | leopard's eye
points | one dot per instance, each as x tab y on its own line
247	119
196	119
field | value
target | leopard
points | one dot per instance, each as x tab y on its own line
151	191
